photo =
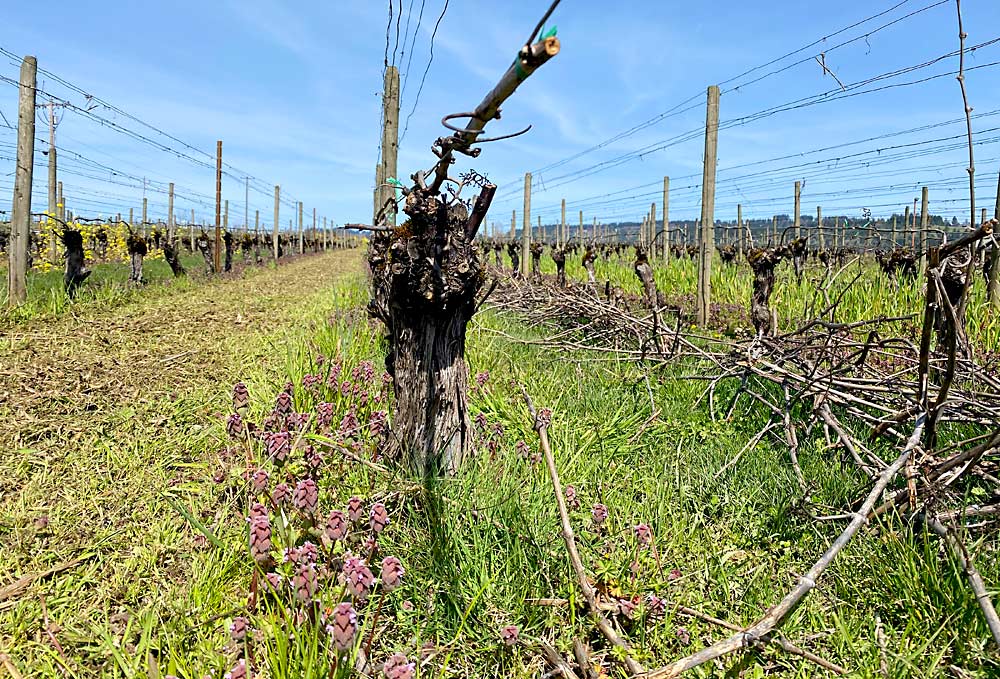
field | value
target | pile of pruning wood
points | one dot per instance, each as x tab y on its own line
868	392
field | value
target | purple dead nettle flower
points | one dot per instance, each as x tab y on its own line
283	404
358	577
349	425
241	396
370	544
683	636
238	628
354	509
343	626
536	458
544	417
308	553
392	573
509	635
297	421
272	422
279	445
362	399
306	496
657	606
259	482
598	514
571	498
334	377
398	666
376	422
260	538
304	582
239	670
522	449
480	420
324	415
257	509
220	475
674	574
336	525
346	388
378	517
290	555
497	429
235	426
274	580
314	458
644	534
320	360
482	377
310	382
386	379
281	494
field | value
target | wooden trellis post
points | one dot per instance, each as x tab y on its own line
526	226
277	207
666	219
706	246
20	222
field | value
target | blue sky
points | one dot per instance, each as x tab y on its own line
293	90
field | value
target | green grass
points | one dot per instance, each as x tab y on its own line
480	546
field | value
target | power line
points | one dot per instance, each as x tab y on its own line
423	78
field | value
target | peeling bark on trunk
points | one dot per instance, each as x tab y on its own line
588	263
762	262
170	254
536	261
954	275
137	250
76	272
498	255
645	273
425	275
514	250
205	248
559	257
227	239
797	248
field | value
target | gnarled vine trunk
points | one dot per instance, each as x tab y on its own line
76	272
762	262
425	275
559	257
137	249
170	254
514	250
588	263
205	247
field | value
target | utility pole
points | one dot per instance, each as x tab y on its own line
582	237
145	215
513	225
277	204
61	204
666	219
217	253
53	200
707	245
314	228
191	230
390	137
526	226
20	222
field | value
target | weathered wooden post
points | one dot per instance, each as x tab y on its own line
739	230
666	219
652	230
425	295
993	279
526	225
20	221
217	253
170	213
562	225
275	234
706	247
798	209
390	139
819	227
302	246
